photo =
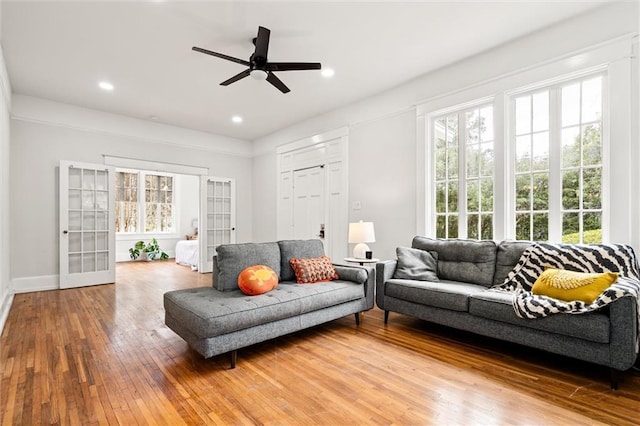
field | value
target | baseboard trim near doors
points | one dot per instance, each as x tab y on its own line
39	283
4	310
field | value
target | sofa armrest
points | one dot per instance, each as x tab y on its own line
360	275
384	272
623	317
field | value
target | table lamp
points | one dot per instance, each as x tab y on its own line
361	233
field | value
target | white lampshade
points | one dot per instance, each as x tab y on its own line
359	234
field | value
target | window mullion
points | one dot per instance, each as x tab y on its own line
462	175
555	163
142	203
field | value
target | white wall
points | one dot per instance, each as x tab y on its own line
6	294
45	132
187	200
382	164
383	137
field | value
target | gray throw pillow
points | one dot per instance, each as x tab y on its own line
416	264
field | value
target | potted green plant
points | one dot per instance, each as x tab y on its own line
150	250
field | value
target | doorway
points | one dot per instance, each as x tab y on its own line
312	191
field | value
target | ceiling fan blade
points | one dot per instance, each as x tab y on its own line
221	56
271	78
262	43
293	66
236	77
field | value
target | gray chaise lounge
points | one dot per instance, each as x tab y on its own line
220	319
466	268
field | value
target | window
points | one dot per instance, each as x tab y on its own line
532	166
126	202
158	197
464	173
155	210
581	164
566	120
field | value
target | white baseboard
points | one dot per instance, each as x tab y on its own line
4	309
39	283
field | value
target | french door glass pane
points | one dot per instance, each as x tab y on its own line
88	212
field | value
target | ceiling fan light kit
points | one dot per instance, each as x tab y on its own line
259	67
259	75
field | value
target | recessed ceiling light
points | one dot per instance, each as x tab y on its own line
327	72
105	85
236	119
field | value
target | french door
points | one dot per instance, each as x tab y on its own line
87	227
217	217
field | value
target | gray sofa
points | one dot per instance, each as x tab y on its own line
220	319
460	299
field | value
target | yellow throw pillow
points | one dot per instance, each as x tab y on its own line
569	285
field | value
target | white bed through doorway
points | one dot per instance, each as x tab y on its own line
187	253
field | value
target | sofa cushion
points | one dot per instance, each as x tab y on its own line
233	258
313	270
570	285
207	312
507	258
443	294
300	249
416	264
469	261
497	306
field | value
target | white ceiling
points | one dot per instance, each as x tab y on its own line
61	50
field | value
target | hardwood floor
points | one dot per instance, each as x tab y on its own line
102	355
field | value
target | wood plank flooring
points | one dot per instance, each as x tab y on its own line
102	355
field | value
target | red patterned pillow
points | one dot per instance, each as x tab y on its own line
313	270
257	280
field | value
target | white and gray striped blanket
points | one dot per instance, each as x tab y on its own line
575	257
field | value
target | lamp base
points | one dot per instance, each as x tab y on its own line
359	251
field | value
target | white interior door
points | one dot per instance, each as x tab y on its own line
87	227
308	203
217	218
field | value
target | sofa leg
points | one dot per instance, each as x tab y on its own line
614	378
234	357
386	317
357	314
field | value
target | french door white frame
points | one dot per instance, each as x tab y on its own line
217	222
87	226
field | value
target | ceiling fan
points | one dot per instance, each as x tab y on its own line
259	67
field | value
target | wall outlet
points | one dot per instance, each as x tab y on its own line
356	205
